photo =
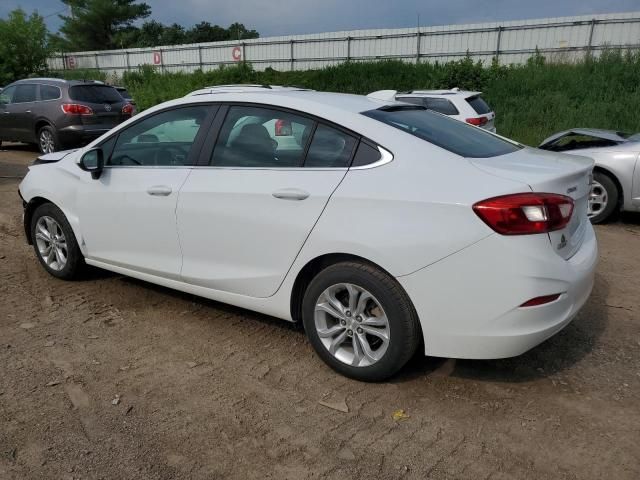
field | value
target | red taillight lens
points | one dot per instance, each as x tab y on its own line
525	213
477	121
534	302
127	109
283	128
75	109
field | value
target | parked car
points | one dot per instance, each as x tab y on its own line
616	177
462	105
124	93
55	113
388	227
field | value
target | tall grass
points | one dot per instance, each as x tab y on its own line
531	101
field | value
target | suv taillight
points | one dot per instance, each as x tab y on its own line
75	109
477	121
127	109
525	213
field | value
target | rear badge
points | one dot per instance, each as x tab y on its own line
563	242
107	107
572	189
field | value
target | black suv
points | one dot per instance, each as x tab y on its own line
56	114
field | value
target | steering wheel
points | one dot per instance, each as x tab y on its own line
178	154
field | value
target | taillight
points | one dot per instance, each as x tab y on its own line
127	109
283	128
525	213
477	121
75	109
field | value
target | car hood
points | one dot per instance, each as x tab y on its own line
54	157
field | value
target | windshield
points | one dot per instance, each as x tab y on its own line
445	132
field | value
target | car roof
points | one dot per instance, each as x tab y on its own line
57	81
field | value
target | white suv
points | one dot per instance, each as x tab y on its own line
462	105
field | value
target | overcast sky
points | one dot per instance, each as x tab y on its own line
281	17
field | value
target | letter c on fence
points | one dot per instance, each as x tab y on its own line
157	58
236	54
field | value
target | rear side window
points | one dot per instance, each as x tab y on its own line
124	93
365	155
479	105
24	93
445	132
330	148
49	92
94	94
441	105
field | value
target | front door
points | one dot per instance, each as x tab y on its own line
243	218
128	215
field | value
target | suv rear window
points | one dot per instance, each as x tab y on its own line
94	94
445	132
440	105
479	105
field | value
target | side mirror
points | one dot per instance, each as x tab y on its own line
93	161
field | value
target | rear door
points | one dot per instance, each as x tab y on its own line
245	214
105	101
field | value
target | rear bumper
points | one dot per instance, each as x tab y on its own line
78	134
468	303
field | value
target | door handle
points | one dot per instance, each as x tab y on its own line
159	190
27	111
7	113
290	194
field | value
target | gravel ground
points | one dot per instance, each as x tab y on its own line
114	378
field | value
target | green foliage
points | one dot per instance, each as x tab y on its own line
23	46
531	101
99	24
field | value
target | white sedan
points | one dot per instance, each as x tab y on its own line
383	227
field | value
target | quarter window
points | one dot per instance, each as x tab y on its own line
164	139
49	92
365	155
330	148
24	94
258	137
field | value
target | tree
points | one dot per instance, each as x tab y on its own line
23	46
237	31
205	32
97	24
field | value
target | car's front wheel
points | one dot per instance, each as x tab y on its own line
55	243
360	321
603	198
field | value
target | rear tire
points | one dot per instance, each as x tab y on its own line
48	140
55	243
349	336
603	198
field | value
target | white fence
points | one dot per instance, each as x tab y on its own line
565	38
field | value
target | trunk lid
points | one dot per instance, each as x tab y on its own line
105	101
546	172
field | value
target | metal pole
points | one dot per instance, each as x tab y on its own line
161	61
348	49
500	28
200	57
244	52
418	38
97	62
590	43
291	54
126	53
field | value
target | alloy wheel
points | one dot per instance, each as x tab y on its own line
51	243
352	324
598	199
47	143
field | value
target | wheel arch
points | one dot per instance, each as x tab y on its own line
41	122
614	178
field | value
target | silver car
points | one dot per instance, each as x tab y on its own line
616	176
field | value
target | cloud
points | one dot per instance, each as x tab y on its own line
282	17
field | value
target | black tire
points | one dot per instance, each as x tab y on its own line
404	327
74	264
49	131
613	198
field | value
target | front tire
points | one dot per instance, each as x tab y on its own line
603	198
360	321
55	243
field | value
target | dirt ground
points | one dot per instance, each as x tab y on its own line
113	378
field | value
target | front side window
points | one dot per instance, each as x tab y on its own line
24	94
445	132
49	92
257	137
330	148
163	139
7	94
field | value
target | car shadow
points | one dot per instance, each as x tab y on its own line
556	354
19	147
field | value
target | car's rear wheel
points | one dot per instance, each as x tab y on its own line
55	243
48	140
360	321
603	198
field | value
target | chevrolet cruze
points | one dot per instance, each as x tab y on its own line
383	227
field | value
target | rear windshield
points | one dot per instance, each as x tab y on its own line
124	93
443	131
479	105
94	94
